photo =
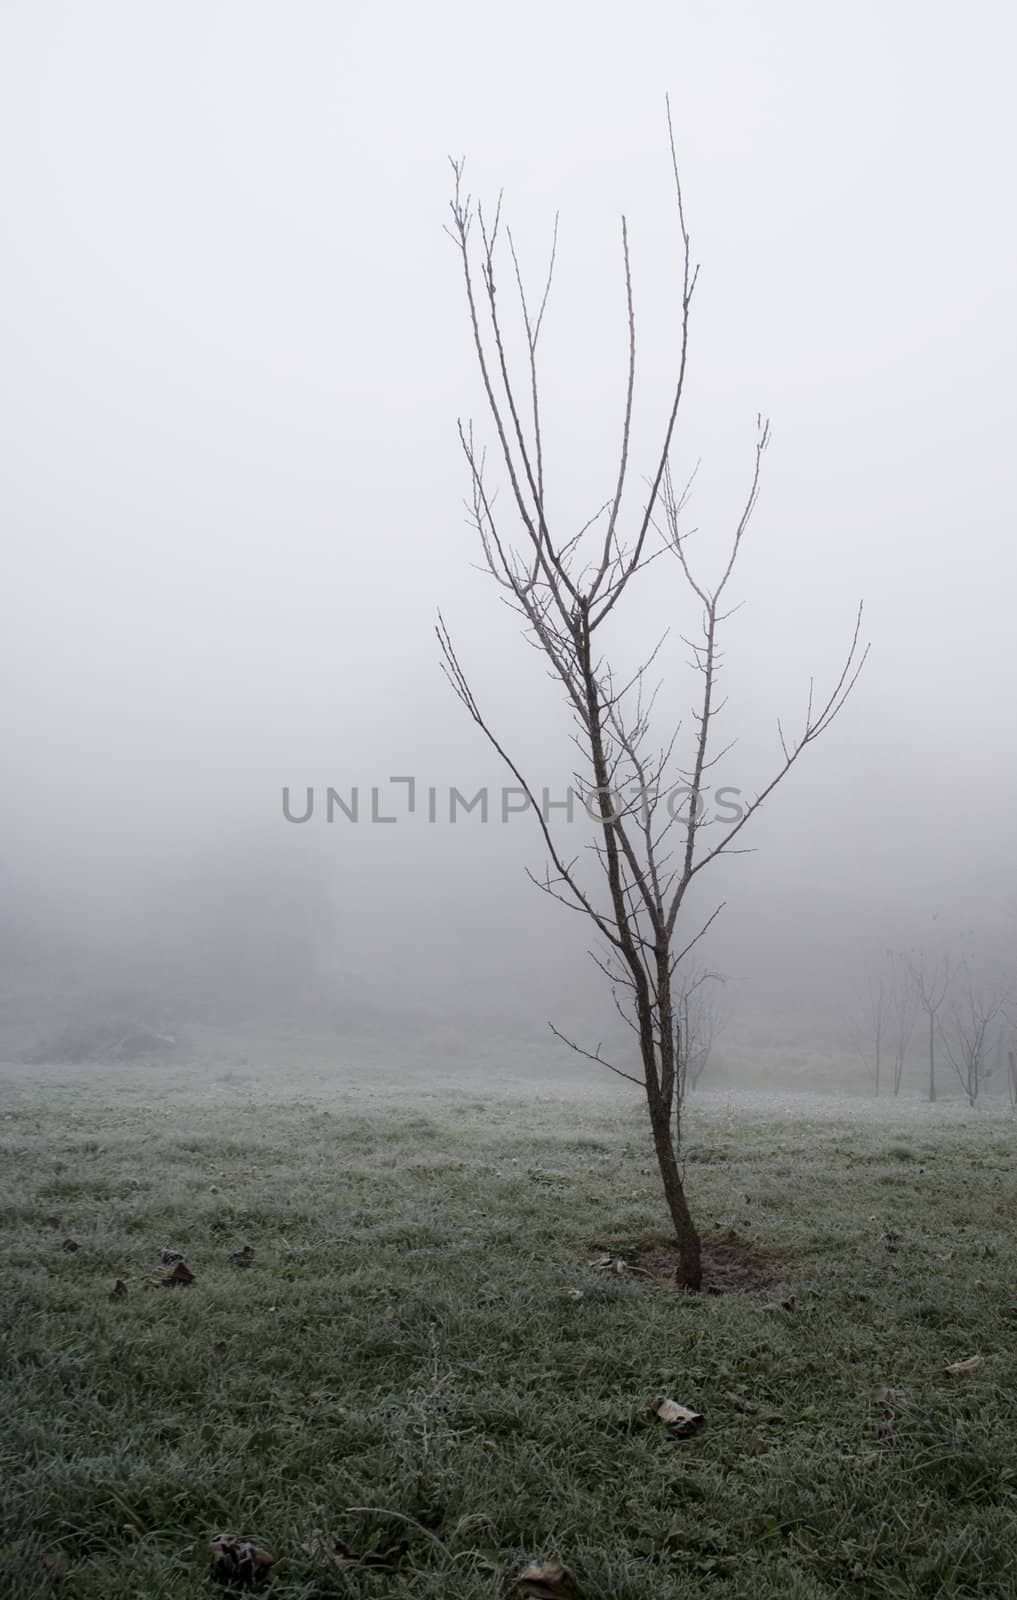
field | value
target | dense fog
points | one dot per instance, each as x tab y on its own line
236	352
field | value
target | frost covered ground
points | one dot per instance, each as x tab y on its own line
422	1363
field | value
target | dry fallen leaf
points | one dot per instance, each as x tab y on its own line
970	1365
119	1290
548	1580
173	1276
238	1562
741	1404
680	1420
70	1245
51	1222
618	1265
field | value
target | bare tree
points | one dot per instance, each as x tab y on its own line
932	984
1010	1025
696	1027
903	1008
567	585
869	1033
887	1016
974	1014
887	1013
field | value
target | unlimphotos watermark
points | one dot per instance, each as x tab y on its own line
405	797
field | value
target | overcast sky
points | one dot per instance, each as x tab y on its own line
234	357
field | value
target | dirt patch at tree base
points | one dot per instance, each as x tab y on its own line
731	1265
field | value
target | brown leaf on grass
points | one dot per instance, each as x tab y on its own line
970	1365
51	1222
119	1290
70	1245
238	1563
54	1565
741	1404
788	1304
618	1265
548	1580
220	1349
680	1420
173	1276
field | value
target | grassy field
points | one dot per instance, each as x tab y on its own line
422	1362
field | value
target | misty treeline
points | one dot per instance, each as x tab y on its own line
937	1019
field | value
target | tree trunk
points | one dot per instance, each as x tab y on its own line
932	1056
690	1260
